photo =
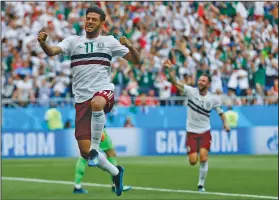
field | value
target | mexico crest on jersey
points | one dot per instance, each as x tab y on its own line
100	45
208	105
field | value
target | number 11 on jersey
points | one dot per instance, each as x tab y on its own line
89	45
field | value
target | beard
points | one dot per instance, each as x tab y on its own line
202	88
95	30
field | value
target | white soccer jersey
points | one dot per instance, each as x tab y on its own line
199	108
90	63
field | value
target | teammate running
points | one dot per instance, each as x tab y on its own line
106	146
91	56
200	104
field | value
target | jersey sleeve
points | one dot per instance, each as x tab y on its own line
117	49
66	45
188	90
218	106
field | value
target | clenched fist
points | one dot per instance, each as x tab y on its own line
167	63
42	36
124	41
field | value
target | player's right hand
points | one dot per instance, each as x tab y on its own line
171	72
42	36
167	63
227	127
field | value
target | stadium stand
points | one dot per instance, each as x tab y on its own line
237	43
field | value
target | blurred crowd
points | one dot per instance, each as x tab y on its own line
235	42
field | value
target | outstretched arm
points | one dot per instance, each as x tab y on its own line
225	123
222	115
172	78
49	50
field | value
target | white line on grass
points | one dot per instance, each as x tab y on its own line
36	165
137	188
123	162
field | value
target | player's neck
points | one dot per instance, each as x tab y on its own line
92	36
203	92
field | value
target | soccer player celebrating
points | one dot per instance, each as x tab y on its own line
200	104
91	56
106	146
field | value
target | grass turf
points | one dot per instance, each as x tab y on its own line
255	175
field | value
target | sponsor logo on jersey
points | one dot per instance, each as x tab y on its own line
207	105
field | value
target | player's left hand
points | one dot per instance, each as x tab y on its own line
227	127
167	63
124	41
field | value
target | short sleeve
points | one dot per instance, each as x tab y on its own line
218	106
188	90
66	45
117	49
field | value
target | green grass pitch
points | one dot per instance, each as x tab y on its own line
252	175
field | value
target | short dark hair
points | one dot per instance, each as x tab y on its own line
208	77
96	9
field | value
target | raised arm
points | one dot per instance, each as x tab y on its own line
172	78
133	55
49	50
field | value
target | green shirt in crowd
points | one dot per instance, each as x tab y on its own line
232	118
146	79
54	119
259	76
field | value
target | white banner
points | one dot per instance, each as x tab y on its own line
125	141
265	140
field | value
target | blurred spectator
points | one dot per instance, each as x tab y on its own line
151	99
128	123
132	86
68	124
8	88
57	97
53	117
24	92
141	100
119	77
124	99
250	99
271	98
233	99
146	79
274	89
232	117
226	100
186	74
164	87
216	83
273	94
44	92
259	77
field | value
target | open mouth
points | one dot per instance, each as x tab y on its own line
90	28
